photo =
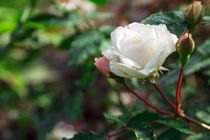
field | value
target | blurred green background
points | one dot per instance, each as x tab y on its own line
49	87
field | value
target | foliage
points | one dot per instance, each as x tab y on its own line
173	20
176	124
47	74
89	136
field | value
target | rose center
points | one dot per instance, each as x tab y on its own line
140	53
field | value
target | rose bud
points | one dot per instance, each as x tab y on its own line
102	65
194	13
185	46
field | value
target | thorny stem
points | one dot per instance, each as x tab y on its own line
178	91
148	103
164	96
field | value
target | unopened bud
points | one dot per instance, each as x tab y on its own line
102	64
154	78
194	13
185	46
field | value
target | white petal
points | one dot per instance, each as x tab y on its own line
111	54
116	56
156	61
123	70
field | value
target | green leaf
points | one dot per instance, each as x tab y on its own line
106	30
99	2
72	105
89	136
200	136
145	117
140	126
142	130
100	15
176	124
206	20
197	66
8	19
174	21
200	112
204	49
123	119
84	46
170	134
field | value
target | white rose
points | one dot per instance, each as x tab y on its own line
139	50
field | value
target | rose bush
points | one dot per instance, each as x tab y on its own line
139	50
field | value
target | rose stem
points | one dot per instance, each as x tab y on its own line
195	121
178	90
148	103
164	96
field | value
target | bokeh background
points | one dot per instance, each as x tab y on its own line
49	87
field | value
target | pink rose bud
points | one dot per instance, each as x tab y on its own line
102	65
185	46
194	13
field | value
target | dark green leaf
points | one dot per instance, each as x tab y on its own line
84	46
200	112
106	30
89	136
140	126
200	136
145	117
170	134
142	130
176	124
72	105
197	66
123	119
174	21
204	49
99	2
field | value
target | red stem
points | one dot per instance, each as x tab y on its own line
164	96
148	103
178	90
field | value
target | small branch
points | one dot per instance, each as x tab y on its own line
116	133
164	96
207	127
148	103
178	90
